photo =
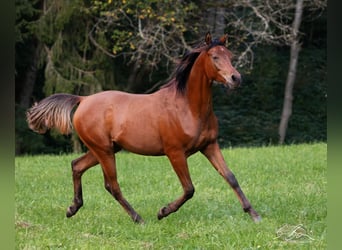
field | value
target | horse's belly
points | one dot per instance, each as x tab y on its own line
139	141
144	149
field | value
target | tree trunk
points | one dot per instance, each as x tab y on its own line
291	76
76	144
216	19
30	78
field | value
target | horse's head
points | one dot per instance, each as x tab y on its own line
219	66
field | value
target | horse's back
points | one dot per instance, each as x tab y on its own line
128	120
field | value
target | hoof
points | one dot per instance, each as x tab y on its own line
71	211
138	220
162	213
257	218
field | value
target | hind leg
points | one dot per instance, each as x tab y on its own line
107	161
79	166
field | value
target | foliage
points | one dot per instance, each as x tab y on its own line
72	64
287	185
146	36
90	45
250	115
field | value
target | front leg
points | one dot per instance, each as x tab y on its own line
180	166
214	155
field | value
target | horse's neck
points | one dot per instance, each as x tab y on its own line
198	91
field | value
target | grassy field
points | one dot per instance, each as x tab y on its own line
287	185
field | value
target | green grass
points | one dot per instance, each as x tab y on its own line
287	185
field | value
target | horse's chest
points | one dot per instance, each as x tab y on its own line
188	132
203	133
207	134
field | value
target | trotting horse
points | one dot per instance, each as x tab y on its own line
176	121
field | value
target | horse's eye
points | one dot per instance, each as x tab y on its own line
215	58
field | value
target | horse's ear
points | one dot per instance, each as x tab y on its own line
224	39
208	38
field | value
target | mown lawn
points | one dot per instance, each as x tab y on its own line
287	185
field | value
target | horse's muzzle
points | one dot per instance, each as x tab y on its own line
236	80
233	81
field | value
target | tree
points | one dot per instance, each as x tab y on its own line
50	37
295	47
149	36
270	22
84	46
72	64
28	50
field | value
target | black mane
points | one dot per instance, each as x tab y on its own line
183	69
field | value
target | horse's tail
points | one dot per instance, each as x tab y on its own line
53	112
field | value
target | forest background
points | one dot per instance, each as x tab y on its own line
86	46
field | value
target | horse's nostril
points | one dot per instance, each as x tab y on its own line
236	79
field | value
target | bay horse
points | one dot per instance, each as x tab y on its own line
176	121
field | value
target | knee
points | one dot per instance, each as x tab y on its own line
232	180
73	168
76	171
113	191
189	192
107	187
74	165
